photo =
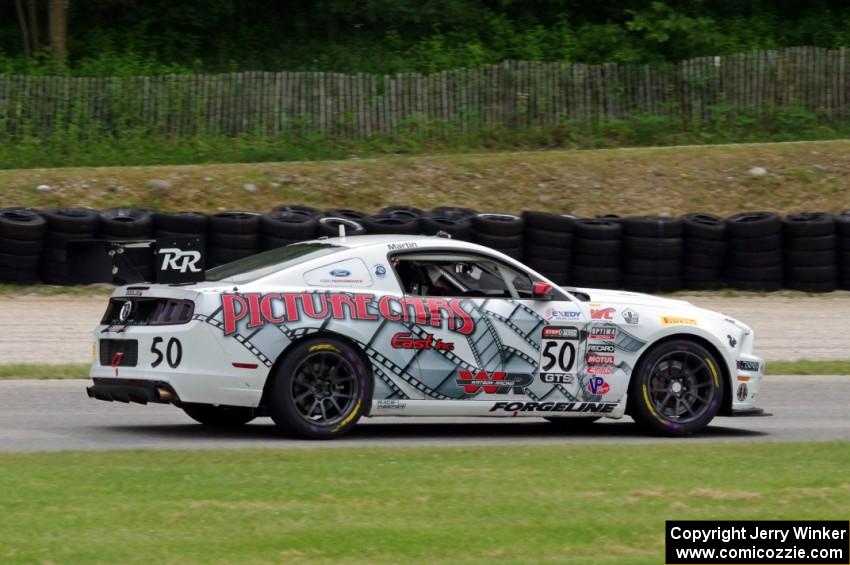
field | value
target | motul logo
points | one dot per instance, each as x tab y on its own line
600	359
602	314
498	382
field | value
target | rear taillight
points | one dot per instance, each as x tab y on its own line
171	311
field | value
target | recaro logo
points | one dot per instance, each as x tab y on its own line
179	260
499	382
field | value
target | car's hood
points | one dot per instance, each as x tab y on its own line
633	298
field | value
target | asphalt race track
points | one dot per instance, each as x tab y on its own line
57	415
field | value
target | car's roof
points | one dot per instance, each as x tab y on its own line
421	241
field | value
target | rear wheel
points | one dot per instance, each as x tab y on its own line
677	389
219	416
321	389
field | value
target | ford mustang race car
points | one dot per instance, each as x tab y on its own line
321	333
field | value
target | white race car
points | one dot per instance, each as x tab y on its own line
321	333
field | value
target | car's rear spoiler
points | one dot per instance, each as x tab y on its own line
162	260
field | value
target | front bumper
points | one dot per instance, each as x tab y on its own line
132	390
746	385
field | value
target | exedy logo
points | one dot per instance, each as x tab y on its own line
498	382
179	260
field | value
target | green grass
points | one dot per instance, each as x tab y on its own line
54	290
27	371
580	504
807	367
33	371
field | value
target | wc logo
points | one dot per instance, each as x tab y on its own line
179	260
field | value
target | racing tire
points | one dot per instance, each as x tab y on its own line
219	416
24	262
314	377
547	265
547	252
696	398
18	276
757	259
774	272
699	274
701	261
348	214
119	223
598	247
454	212
21	247
498	225
812	274
713	284
72	220
597	261
652	283
401	212
499	242
598	229
391	225
545	221
592	275
749	245
191	223
534	236
234	222
652	226
814	243
670	248
814	286
704	227
753	224
713	247
800	258
457	228
234	240
808	224
309	210
329	226
664	267
22	223
765	285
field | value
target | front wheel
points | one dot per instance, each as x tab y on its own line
677	389
321	389
219	416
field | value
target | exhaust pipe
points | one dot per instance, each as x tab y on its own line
164	395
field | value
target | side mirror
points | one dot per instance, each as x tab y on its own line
542	290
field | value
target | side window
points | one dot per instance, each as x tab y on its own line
435	274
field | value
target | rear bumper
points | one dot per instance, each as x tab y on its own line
132	390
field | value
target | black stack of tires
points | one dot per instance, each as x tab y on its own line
811	252
180	224
754	256
842	226
454	221
64	225
279	228
705	251
127	224
548	242
232	236
502	232
654	247
596	253
21	242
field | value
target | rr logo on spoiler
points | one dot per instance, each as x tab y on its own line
179	260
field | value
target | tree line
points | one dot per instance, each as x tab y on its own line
122	37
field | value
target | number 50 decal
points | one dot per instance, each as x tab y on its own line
558	354
173	352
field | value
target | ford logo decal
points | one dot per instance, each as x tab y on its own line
340	273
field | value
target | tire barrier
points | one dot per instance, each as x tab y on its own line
21	242
232	236
754	258
548	240
653	248
842	225
705	251
597	244
502	232
749	251
810	252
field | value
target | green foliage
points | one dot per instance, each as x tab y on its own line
135	37
127	146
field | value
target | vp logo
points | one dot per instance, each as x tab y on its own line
179	260
499	382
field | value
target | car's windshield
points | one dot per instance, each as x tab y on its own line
260	265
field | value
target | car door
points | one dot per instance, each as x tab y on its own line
506	337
